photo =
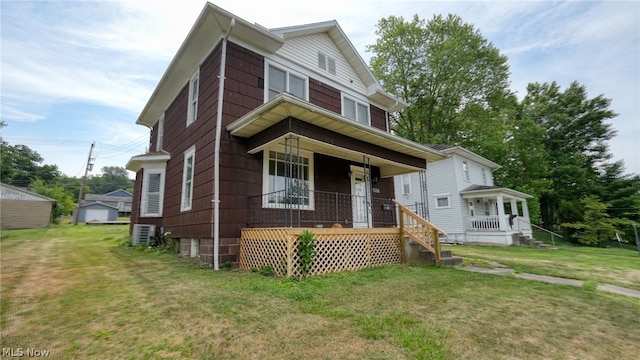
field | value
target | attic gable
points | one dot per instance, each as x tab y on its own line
304	43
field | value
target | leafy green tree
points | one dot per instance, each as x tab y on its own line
597	227
453	79
621	191
21	166
575	135
65	202
112	178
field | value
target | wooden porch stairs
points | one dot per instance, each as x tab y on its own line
421	240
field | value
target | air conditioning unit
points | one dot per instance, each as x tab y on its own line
142	233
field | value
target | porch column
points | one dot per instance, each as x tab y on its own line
525	210
501	216
514	206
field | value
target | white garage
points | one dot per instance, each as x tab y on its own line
96	215
97	212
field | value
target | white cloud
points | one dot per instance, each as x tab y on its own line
113	53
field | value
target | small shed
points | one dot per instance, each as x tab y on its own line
97	212
23	209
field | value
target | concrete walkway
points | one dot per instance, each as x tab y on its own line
503	271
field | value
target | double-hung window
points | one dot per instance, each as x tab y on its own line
355	110
406	184
192	110
288	179
465	171
280	80
187	179
152	185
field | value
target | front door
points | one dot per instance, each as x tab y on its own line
360	199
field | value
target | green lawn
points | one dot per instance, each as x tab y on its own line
76	292
613	266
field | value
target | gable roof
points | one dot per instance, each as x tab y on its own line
119	193
8	192
467	154
99	204
213	23
375	91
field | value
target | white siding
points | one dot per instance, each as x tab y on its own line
414	196
443	178
304	50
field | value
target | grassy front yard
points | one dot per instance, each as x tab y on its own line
76	292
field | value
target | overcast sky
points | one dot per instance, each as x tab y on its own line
74	73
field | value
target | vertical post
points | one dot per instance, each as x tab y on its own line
635	232
84	179
436	245
337	208
401	237
502	223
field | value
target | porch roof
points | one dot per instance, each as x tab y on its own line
156	157
286	105
475	191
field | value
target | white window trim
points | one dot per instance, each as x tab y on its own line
265	179
357	101
147	171
325	61
192	114
465	171
289	72
184	204
442	196
403	183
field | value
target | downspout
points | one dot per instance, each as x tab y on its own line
216	156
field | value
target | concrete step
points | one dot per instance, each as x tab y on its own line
450	261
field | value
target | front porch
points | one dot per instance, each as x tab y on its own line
495	214
337	248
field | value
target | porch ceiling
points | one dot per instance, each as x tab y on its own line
286	105
387	167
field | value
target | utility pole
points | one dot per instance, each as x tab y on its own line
84	179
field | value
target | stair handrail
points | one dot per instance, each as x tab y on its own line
545	230
421	236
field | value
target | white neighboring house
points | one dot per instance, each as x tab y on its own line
457	194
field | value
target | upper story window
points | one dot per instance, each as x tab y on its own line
327	63
484	177
355	110
192	110
187	179
465	171
287	179
280	80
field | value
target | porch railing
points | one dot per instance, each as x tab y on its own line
419	230
316	209
492	223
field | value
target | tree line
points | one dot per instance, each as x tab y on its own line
552	144
21	166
